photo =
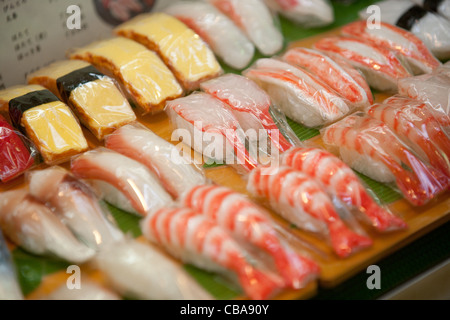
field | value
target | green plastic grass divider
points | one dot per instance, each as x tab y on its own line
384	193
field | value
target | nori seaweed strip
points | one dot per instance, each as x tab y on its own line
432	5
19	105
410	17
73	80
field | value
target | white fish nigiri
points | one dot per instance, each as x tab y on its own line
380	66
34	227
223	36
409	48
308	13
139	270
201	113
161	157
430	27
76	205
126	176
9	285
89	291
439	6
300	95
255	20
336	73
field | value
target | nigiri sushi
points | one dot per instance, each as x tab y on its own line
438	6
307	13
9	285
380	66
337	74
255	20
124	176
340	181
226	40
141	271
93	96
31	225
408	47
15	157
76	205
302	201
300	95
161	157
248	222
195	239
370	147
249	103
184	52
142	74
202	113
89	291
430	27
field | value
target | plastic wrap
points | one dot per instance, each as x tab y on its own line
175	172
183	51
125	182
250	224
380	66
139	270
337	74
303	202
210	128
31	225
341	182
201	242
370	147
256	21
430	27
302	97
17	155
226	40
409	48
93	96
142	74
48	122
77	206
307	13
9	285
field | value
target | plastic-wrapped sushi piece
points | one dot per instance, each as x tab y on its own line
430	27
370	147
93	96
9	285
226	40
380	66
408	47
30	224
47	122
183	51
307	13
15	156
255	20
141	73
438	6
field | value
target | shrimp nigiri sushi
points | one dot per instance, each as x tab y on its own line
226	40
123	182
380	66
370	147
303	202
249	103
336	73
161	157
9	285
340	181
202	113
76	205
407	46
193	238
31	225
248	222
255	20
300	95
